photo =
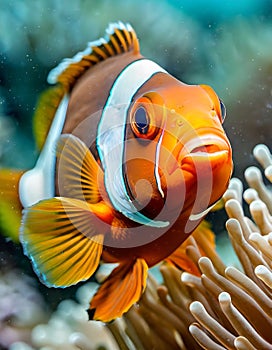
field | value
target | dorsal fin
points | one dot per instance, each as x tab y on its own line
45	111
119	38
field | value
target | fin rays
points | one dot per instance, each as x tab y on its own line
119	291
78	170
78	256
60	237
120	38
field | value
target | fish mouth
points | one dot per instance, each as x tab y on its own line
208	151
210	148
198	173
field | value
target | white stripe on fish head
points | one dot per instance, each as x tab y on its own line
111	137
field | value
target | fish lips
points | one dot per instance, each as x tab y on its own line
205	149
202	169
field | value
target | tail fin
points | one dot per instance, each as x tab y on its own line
10	206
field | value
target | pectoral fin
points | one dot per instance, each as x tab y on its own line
78	171
64	239
119	291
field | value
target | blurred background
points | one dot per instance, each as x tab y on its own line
225	44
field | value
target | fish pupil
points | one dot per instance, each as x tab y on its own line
141	120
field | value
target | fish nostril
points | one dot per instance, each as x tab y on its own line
180	122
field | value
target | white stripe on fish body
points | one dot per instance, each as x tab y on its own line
39	183
157	157
111	136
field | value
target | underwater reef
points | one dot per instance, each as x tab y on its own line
21	305
219	306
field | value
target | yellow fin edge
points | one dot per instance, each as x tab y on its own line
45	111
10	206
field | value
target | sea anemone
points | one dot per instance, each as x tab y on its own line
225	307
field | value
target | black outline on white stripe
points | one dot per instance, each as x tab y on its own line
105	134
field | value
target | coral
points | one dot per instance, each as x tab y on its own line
21	306
69	329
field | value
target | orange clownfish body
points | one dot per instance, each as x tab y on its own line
130	164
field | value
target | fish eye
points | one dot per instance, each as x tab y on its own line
141	120
223	110
145	118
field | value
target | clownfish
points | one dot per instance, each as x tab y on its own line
131	160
